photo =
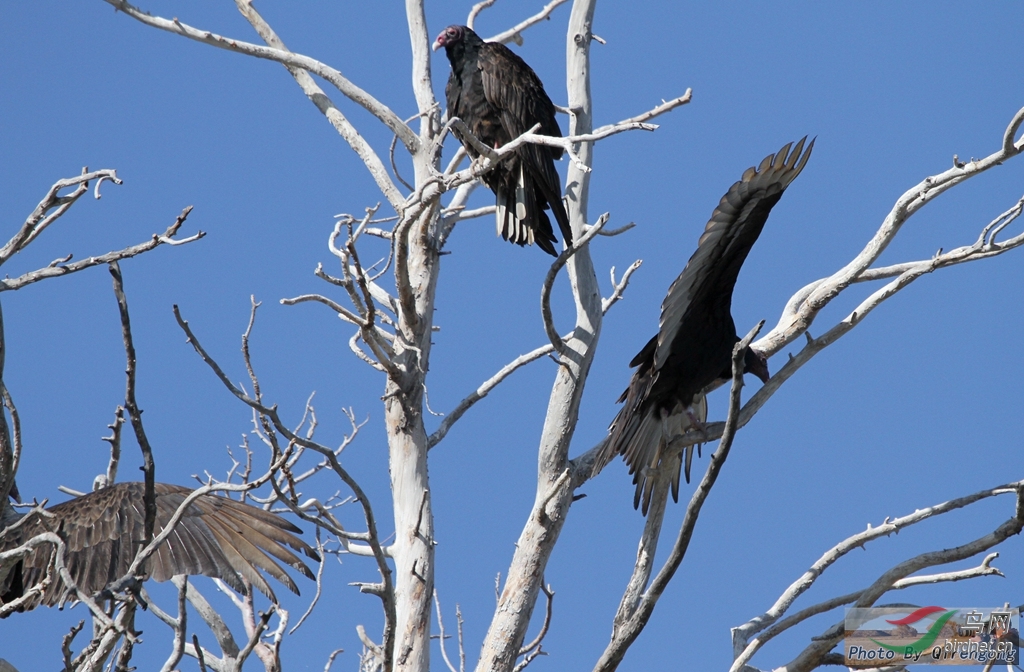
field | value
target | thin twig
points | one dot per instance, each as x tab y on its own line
549	281
387	592
514	34
166	238
441	636
132	407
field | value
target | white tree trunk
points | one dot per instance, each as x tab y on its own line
555	482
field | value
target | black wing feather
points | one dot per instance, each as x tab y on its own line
500	97
696	334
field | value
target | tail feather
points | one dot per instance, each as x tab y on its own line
646	445
519	212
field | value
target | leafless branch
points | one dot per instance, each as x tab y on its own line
529	659
10	441
618	288
460	155
984	569
343	312
132	407
283	56
66	645
256	632
441	636
514	34
491	157
812	655
657	111
1009	146
535	644
422	86
645	553
797	309
319	584
549	281
456	413
115	445
456	212
180	627
214	621
55	270
799	315
330	659
769	623
630	629
475	11
41	217
555	486
387	592
462	648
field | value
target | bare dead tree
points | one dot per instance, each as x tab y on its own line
390	310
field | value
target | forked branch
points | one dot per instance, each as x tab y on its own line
771	623
812	656
386	588
39	220
53	206
803	306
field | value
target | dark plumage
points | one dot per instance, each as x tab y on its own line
696	336
104	530
500	97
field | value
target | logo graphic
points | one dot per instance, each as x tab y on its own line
931	635
916	648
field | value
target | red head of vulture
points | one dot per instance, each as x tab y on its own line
693	347
104	530
500	97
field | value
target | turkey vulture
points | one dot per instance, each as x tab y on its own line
500	97
696	335
104	531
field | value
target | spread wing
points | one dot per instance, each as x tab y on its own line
711	272
216	537
655	412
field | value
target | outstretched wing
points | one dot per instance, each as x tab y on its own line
216	537
711	272
655	412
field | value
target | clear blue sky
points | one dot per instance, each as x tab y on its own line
919	404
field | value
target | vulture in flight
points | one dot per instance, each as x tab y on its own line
693	347
500	97
104	530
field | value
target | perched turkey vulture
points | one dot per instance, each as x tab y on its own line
104	530
696	336
500	97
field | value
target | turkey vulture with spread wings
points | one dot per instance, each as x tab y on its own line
104	531
500	97
696	335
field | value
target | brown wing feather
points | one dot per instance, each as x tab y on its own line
215	537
